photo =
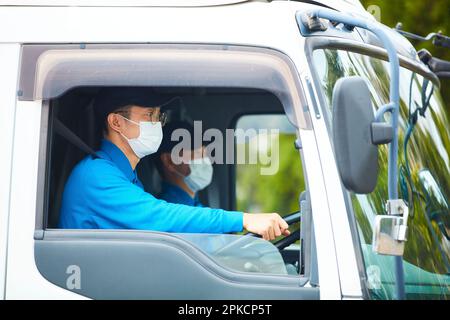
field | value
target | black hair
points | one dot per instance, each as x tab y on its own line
125	111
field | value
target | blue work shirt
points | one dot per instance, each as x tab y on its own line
174	194
105	193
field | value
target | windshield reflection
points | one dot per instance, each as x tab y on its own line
424	174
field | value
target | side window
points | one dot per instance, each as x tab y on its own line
423	177
269	179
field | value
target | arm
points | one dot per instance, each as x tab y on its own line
118	203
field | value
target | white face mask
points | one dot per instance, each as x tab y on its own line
201	174
149	139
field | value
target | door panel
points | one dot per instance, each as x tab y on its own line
150	265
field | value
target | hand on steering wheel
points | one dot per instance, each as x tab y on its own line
289	219
269	226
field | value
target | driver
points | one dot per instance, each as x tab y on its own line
104	192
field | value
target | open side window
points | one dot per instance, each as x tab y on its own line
146	264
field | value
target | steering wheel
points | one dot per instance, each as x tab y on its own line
281	244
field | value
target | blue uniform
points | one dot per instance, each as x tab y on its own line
105	193
174	194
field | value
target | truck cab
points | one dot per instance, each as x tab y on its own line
264	81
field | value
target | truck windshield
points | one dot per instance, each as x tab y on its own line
424	179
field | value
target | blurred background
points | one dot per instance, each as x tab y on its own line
419	17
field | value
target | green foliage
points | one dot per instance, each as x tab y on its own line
271	193
420	17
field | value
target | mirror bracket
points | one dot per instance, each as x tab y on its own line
382	133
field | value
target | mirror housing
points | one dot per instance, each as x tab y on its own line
356	135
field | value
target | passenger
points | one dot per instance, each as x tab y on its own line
104	192
182	181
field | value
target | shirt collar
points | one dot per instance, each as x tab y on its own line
114	154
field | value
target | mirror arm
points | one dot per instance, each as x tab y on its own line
382	33
384	109
382	132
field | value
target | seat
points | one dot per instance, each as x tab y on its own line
149	175
75	111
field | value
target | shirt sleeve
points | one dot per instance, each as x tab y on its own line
118	203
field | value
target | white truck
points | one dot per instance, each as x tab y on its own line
371	133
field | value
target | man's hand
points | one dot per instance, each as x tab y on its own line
267	225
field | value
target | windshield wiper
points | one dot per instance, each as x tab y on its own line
439	40
440	67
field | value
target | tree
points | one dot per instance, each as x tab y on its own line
420	17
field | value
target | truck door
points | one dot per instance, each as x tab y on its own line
131	264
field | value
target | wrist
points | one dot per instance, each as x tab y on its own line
245	220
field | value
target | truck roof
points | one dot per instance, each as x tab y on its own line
120	3
336	4
254	23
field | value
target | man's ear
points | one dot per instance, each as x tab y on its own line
114	122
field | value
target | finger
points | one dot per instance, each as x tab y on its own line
270	232
283	224
262	235
265	235
277	230
286	232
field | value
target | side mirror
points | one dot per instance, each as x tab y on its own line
389	234
356	135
